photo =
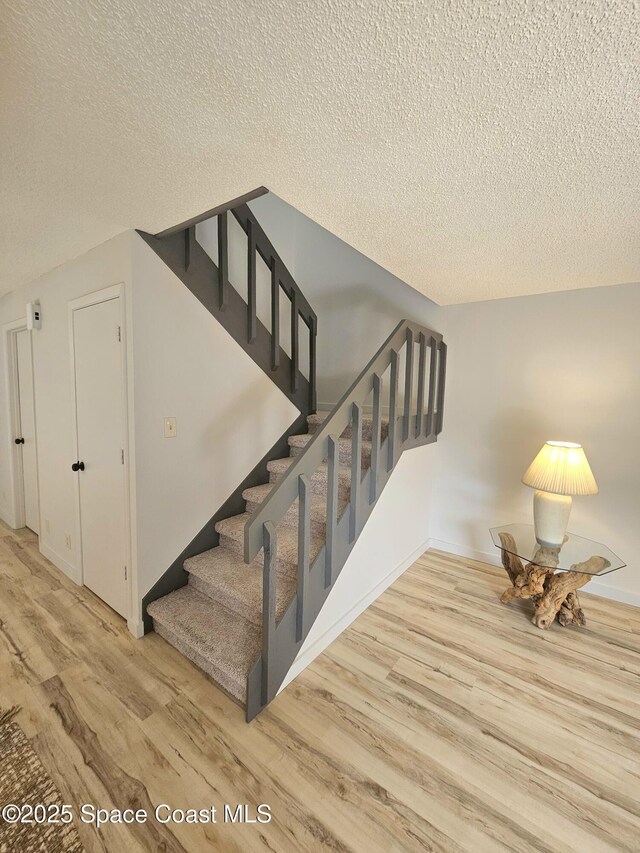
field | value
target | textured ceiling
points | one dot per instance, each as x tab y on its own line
475	149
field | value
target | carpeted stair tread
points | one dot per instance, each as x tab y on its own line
215	638
223	576
255	495
316	420
231	532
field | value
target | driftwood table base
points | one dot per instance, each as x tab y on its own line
554	595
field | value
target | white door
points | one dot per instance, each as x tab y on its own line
27	430
100	422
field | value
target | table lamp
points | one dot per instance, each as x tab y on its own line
559	470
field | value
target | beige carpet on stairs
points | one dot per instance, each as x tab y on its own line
216	620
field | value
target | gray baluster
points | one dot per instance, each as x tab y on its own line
408	384
270	544
441	379
295	352
433	365
421	375
332	508
313	334
275	315
356	469
304	541
376	437
223	261
189	240
252	325
393	411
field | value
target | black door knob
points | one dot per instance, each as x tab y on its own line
77	466
19	441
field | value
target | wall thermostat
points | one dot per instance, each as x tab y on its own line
34	320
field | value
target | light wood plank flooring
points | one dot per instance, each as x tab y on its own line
440	720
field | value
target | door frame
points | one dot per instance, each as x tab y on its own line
17	514
106	294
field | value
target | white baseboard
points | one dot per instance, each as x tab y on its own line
8	518
594	587
59	562
136	627
493	558
303	660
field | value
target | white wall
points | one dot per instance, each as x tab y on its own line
229	414
396	534
358	303
183	364
524	370
105	265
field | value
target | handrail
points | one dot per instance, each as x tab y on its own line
214	211
411	428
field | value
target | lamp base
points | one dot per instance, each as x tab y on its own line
550	518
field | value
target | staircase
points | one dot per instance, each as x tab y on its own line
216	619
242	597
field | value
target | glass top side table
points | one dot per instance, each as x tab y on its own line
551	576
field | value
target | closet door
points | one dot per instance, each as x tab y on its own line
27	435
100	423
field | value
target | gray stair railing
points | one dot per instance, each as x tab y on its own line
209	282
415	422
281	280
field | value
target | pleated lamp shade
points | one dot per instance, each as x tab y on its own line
561	468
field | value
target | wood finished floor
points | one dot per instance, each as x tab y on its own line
440	720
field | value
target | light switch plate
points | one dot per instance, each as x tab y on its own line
170	427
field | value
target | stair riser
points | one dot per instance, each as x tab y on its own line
234	602
318	515
237	547
367	430
237	605
319	484
235	688
344	454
